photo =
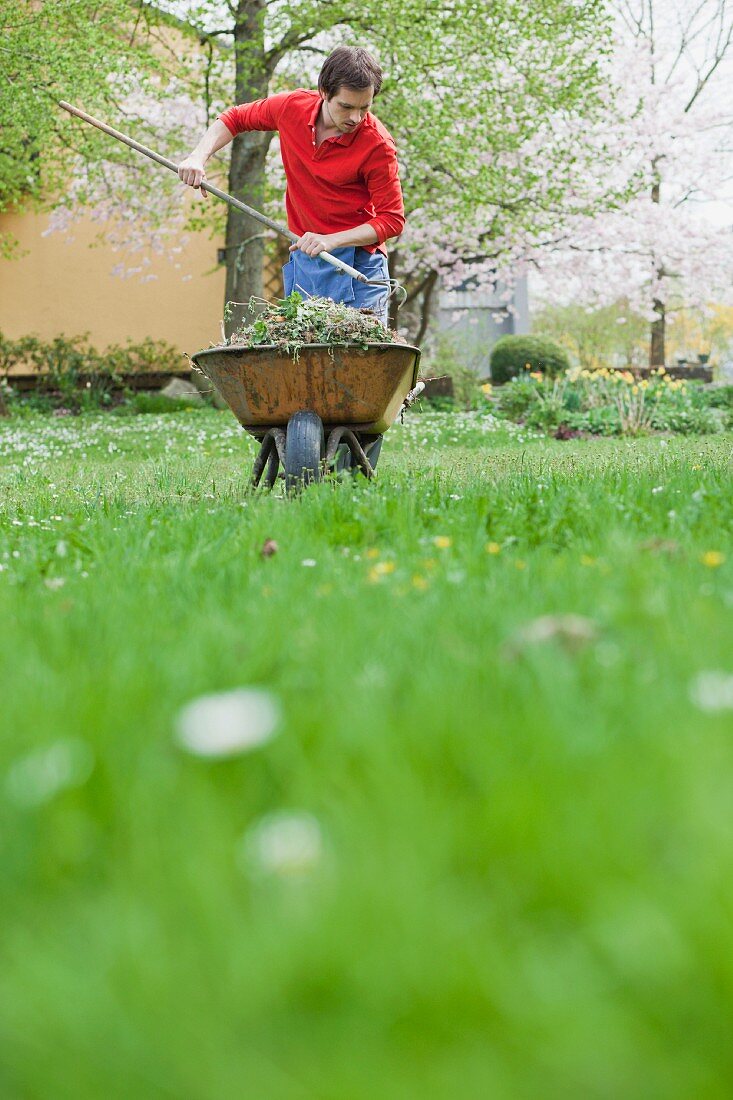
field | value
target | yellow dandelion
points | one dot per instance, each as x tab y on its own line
419	582
712	558
493	548
382	568
634	389
486	388
371	553
442	542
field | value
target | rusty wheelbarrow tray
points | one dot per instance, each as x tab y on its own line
328	407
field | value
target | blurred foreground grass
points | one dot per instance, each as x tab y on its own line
480	856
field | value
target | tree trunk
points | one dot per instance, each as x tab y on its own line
656	344
657	333
245	240
3	406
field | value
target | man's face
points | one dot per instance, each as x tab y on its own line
349	106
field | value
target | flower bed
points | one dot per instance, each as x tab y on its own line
612	402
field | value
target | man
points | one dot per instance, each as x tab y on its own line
343	190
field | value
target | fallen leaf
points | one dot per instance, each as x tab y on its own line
660	546
573	632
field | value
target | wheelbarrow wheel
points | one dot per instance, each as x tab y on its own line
304	450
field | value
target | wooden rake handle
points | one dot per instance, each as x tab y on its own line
236	203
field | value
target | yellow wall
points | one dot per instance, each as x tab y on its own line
61	286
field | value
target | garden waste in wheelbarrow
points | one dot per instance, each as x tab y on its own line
308	411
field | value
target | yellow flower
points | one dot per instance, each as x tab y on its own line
661	370
442	542
372	552
381	569
419	582
486	388
493	548
712	558
536	374
634	389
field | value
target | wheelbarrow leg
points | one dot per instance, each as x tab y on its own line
269	457
357	459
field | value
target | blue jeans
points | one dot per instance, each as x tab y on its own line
311	276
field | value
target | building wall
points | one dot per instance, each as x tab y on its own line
61	286
471	320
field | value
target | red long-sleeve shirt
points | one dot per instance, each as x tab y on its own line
343	182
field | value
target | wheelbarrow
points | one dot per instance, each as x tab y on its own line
324	410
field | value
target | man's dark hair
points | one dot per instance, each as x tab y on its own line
351	66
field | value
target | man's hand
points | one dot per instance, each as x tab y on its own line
313	243
191	171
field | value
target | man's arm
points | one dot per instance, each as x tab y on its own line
313	243
262	114
192	170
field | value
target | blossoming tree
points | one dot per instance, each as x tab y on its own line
659	250
499	111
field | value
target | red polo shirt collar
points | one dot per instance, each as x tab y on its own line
342	139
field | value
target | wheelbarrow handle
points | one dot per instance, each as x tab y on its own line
236	203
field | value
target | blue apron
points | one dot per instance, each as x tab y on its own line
311	276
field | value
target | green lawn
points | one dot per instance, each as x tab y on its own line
477	857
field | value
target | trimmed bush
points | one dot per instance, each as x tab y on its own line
513	354
72	371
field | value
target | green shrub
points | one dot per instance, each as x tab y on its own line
75	374
440	402
688	421
142	402
718	397
511	355
596	421
546	415
518	396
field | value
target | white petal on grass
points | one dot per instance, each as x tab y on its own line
228	723
712	691
309	562
286	844
44	773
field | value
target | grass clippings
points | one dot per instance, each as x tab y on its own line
291	323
